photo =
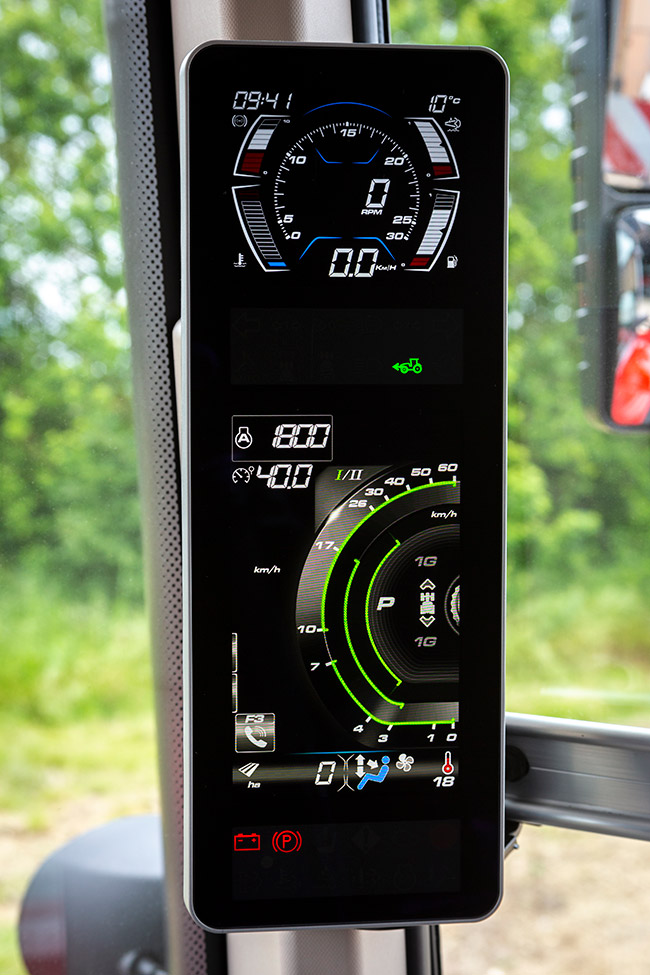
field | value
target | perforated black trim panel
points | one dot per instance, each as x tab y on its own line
145	112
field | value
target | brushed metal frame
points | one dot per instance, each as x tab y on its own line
579	775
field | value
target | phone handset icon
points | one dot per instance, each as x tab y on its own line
254	732
256	735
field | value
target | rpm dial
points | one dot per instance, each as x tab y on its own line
347	198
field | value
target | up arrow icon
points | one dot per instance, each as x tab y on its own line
427	584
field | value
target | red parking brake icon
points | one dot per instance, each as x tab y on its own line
287	841
247	841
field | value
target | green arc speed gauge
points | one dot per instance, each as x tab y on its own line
375	629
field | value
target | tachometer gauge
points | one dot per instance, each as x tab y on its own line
346	194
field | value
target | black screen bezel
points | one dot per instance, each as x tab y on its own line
484	193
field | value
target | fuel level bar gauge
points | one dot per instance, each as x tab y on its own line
441	221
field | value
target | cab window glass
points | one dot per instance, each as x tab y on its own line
573	902
76	716
578	498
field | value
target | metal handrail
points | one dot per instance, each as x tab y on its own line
578	774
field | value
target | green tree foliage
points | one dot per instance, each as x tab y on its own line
578	497
68	500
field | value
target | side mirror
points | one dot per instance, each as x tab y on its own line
610	61
630	402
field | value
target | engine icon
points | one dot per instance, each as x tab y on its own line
243	438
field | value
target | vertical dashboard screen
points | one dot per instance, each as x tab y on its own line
343	479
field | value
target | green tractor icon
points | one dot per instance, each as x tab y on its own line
413	365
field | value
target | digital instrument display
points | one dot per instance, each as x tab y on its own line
343	478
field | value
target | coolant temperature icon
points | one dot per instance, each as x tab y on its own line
448	767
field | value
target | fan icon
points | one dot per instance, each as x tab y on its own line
404	762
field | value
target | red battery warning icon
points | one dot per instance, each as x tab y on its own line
246	842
